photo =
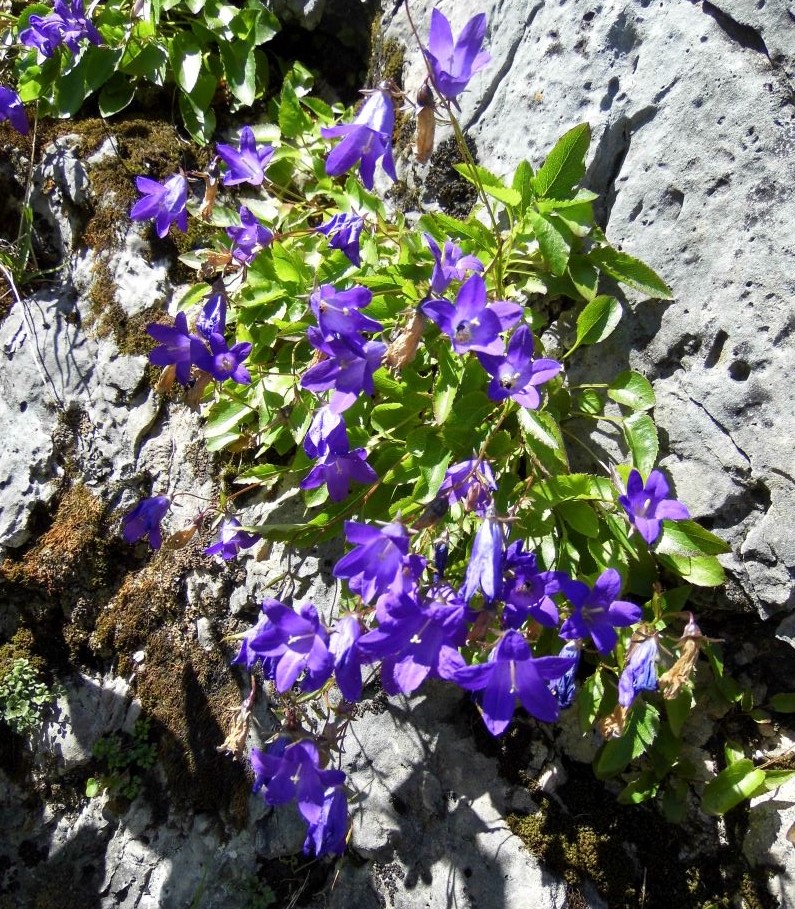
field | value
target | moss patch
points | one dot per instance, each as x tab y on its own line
445	185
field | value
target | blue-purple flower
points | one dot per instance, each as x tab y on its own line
453	63
67	24
367	140
249	238
376	561
144	521
597	613
326	435
471	482
343	232
338	471
248	164
231	539
178	347
450	265
473	323
484	570
12	109
526	590
212	318
510	674
165	202
338	311
647	505
222	361
565	687
344	647
517	375
349	370
640	669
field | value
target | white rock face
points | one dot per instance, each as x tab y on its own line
694	156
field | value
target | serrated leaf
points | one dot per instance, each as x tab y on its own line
292	119
553	245
632	390
590	699
583	276
689	538
523	184
641	435
542	434
564	166
492	185
580	517
597	320
731	786
630	271
573	486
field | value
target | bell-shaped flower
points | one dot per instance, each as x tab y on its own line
597	613
344	647
328	834
338	471
165	202
223	362
565	687
453	63
249	238
376	560
66	24
471	482
450	265
248	164
473	323
343	232
510	674
484	570
327	434
517	375
212	318
367	140
178	347
640	668
349	370
648	504
526	590
338	311
231	539
13	110
144	521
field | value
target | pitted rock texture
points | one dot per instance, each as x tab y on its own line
693	154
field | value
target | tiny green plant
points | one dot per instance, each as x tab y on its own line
124	760
24	698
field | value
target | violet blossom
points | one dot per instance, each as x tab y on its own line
453	64
327	434
343	232
647	505
337	311
248	164
376	561
565	687
367	140
450	265
526	590
212	318
67	24
144	521
338	471
484	570
472	323
471	482
348	369
165	202
249	238
344	647
231	539
13	110
223	362
517	374
640	668
597	613
178	347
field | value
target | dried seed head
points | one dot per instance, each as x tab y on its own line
404	348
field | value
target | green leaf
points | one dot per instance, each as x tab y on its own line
93	787
543	437
731	786
632	390
553	245
678	710
783	703
580	517
491	183
773	779
639	790
572	486
597	320
185	54
116	94
149	64
199	123
641	729
564	166
442	226
630	271
292	119
584	277
641	435
240	69
448	378
689	538
703	571
590	699
523	184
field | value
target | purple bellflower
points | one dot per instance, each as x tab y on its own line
517	375
471	482
212	318
453	64
231	539
326	435
512	673
414	640
343	232
249	238
178	347
647	505
367	140
338	471
223	362
484	570
144	521
297	642
528	592
248	164
450	265
67	24
337	311
165	202
565	687
348	370
344	646
376	561
12	109
290	772
597	613
473	323
640	669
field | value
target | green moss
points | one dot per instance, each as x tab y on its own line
455	195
